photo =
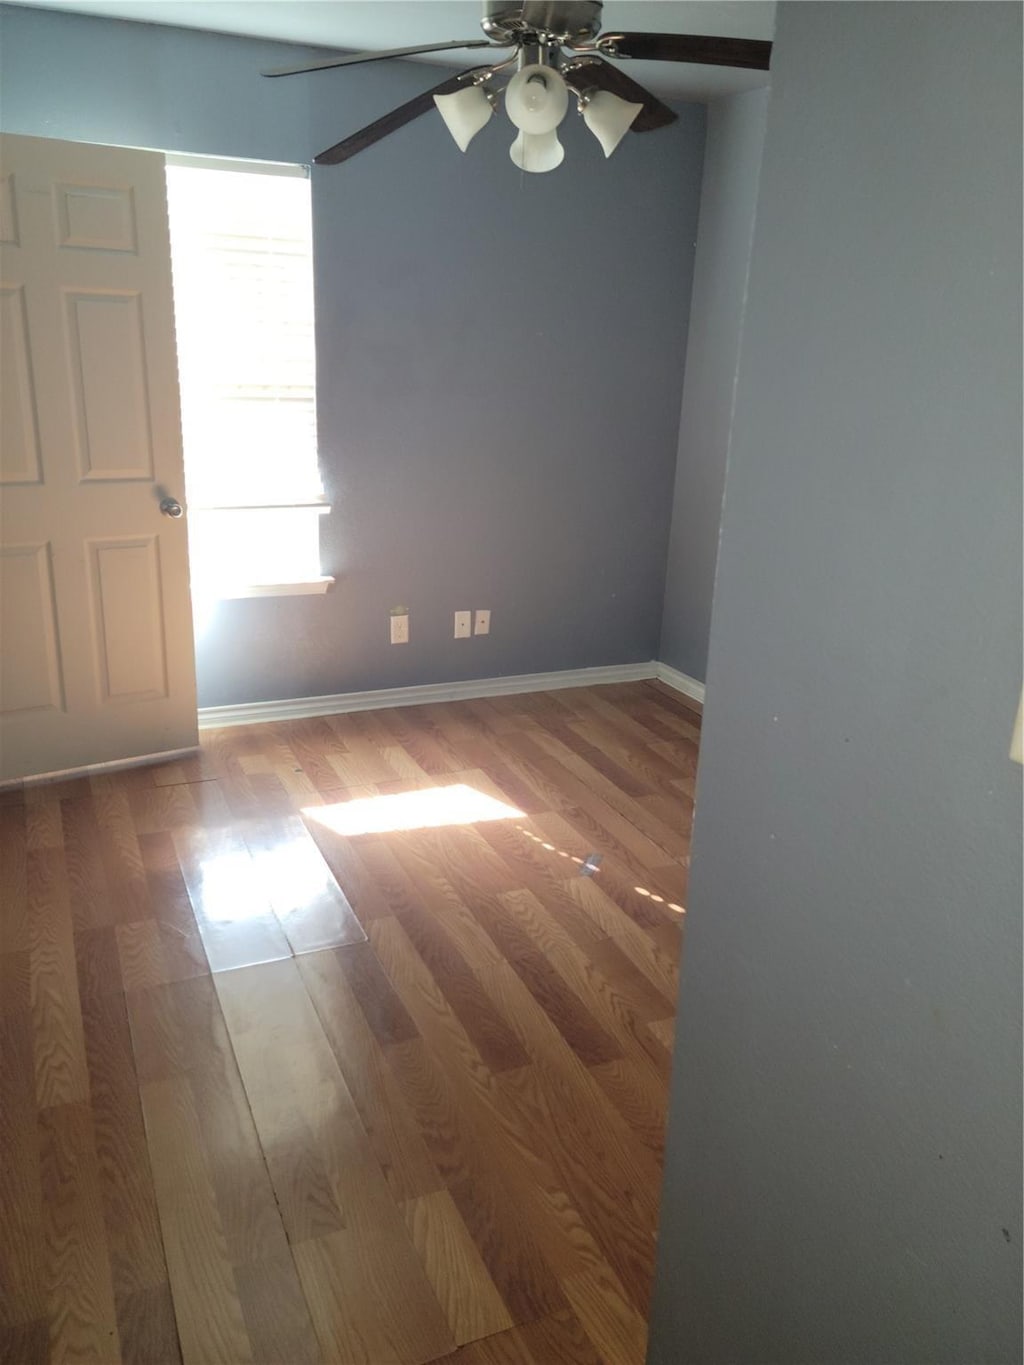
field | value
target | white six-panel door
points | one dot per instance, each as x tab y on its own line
96	644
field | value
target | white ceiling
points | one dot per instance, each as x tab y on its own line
358	24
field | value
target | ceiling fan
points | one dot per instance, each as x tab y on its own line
558	50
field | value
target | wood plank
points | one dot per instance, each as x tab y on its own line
359	762
559	1337
464	1289
137	1265
79	1292
367	1291
198	768
156	810
256	794
342	857
542	866
312	740
613	1010
229	1219
469	1129
670	834
382	1009
462	990
236	922
591	1043
630	892
149	1334
641	949
119	849
414	729
22	1280
665	1032
609	1319
15	982
638	1096
89	895
25	1343
439	896
626	978
312	909
43	825
14	922
58	1049
181	948
563	1110
393	1136
210	1322
276	1315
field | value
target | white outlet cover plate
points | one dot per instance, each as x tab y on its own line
482	622
463	625
399	630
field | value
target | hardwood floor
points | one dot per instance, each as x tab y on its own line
347	1040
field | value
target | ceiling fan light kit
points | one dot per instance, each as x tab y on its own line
465	113
537	151
559	50
609	118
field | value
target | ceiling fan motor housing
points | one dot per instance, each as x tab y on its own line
569	21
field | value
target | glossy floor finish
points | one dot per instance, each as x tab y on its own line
348	1040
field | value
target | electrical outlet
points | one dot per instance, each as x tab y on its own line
463	625
482	622
400	627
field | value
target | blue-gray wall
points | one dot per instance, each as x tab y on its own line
732	160
843	1177
501	356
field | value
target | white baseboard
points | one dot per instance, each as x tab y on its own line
88	769
680	682
212	717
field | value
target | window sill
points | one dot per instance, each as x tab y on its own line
296	588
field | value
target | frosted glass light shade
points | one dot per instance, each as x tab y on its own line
537	151
464	113
536	99
609	118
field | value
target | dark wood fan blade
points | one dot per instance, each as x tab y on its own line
682	47
354	58
590	73
390	123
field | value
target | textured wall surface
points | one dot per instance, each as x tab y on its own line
843	1177
501	356
732	160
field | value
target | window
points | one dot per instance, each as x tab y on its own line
242	261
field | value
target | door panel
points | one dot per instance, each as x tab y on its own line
98	660
108	377
19	427
31	678
127	608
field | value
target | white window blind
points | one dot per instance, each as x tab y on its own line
242	263
241	249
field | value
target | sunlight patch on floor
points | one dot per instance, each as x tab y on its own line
428	809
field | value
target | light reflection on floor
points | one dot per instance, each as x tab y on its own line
222	874
659	900
593	869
